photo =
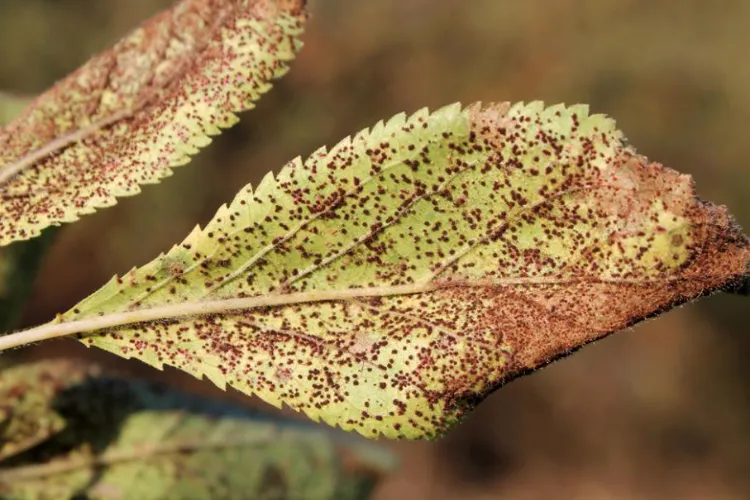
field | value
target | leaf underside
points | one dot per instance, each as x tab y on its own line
388	285
116	438
132	113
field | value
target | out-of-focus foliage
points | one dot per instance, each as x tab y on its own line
18	266
76	433
10	106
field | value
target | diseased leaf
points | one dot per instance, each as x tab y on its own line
10	106
132	113
389	285
127	439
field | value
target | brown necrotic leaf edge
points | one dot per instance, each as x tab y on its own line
727	250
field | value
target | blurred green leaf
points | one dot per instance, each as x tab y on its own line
19	264
112	438
11	105
26	414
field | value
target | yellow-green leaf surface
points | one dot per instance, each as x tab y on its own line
132	113
389	284
126	439
10	106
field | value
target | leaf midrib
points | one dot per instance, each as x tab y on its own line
57	328
64	141
60	143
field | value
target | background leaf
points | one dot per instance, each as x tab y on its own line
18	267
10	106
115	438
389	285
135	111
27	416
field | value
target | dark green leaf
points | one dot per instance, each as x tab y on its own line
113	438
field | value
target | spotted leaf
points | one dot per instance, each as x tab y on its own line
132	113
389	284
118	438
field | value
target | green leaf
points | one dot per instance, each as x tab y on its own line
26	397
126	439
10	106
389	285
132	113
18	268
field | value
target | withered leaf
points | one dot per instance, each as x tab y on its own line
133	112
389	285
122	438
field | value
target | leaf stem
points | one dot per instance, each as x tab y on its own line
57	328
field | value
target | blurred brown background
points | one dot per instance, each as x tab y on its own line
659	411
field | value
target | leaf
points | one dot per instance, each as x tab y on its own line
26	414
128	439
18	268
10	106
389	285
132	113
